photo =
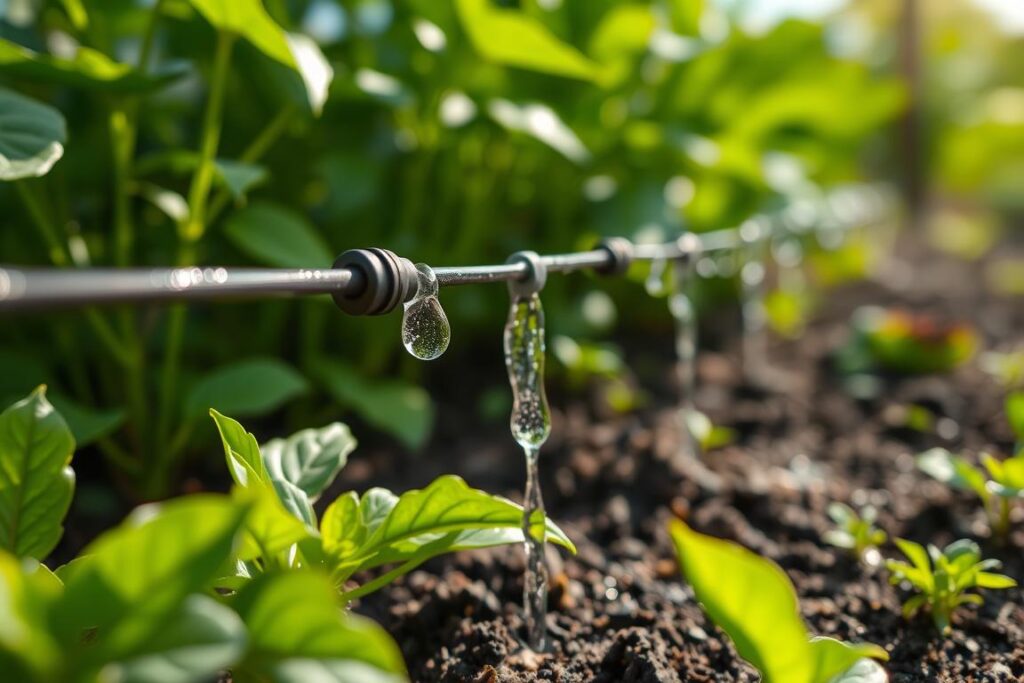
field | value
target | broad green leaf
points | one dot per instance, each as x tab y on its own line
401	409
131	578
87	424
990	580
32	136
202	638
864	671
250	20
88	69
311	458
298	632
514	38
27	650
397	530
753	601
295	501
277	236
245	463
36	480
239	177
250	387
624	32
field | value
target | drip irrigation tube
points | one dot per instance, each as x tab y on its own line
376	281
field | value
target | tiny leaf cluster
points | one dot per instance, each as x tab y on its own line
856	532
943	577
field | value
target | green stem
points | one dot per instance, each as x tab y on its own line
190	231
382	580
57	248
256	149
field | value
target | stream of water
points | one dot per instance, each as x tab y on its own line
530	424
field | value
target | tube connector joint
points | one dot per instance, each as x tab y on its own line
387	281
536	275
620	255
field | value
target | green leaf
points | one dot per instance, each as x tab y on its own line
277	236
753	601
245	463
239	177
310	459
513	38
248	19
314	69
134	577
76	13
88	69
87	424
397	530
32	136
251	387
401	409
27	650
270	529
299	633
36	480
990	580
195	643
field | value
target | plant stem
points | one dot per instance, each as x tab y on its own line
190	231
256	149
382	580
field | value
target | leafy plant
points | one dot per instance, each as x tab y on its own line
997	483
942	578
138	604
856	532
753	601
377	530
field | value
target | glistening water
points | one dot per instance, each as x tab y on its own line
531	424
425	329
685	317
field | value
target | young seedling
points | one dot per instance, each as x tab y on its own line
912	343
942	583
856	533
378	530
998	483
753	601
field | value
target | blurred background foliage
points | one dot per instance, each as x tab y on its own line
452	132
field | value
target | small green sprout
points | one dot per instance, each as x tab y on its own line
856	533
998	483
708	435
941	583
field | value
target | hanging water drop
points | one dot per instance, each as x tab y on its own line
530	424
655	282
425	329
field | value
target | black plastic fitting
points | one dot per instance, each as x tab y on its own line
620	255
536	275
388	280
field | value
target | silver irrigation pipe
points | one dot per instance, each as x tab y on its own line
374	281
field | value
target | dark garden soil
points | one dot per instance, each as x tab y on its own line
619	610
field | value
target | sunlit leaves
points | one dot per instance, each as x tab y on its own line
250	387
384	529
248	19
32	136
36	481
753	601
132	578
514	38
27	591
298	633
310	459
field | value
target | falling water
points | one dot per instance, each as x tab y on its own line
531	424
425	329
752	279
685	317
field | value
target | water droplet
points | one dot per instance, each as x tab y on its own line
530	424
655	282
425	329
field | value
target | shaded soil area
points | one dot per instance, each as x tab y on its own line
619	610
